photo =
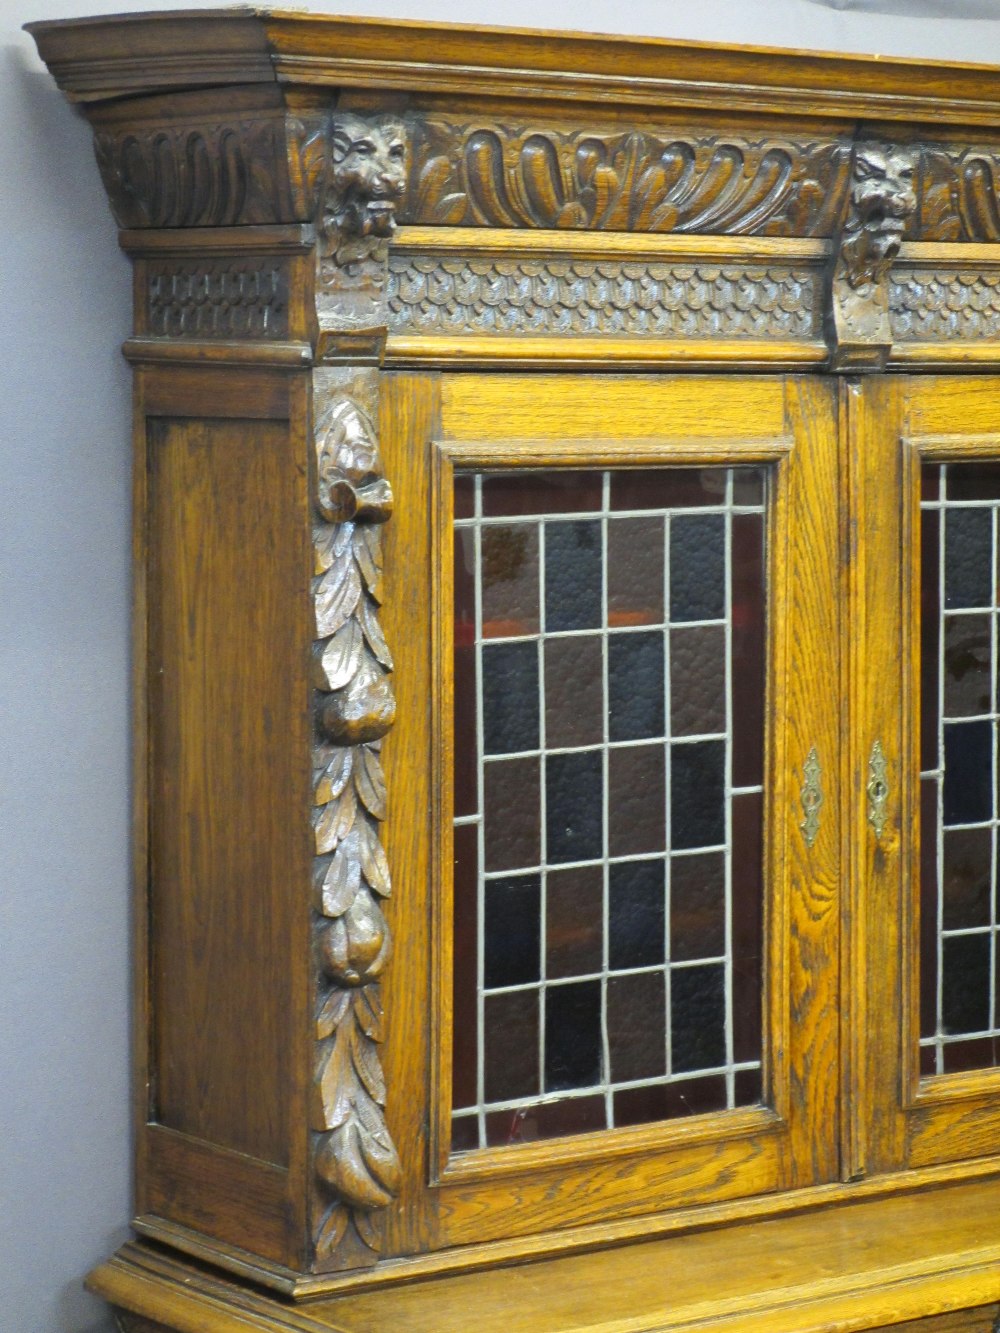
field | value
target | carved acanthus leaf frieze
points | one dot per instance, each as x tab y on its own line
520	176
234	172
432	295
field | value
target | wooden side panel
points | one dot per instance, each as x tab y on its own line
218	1192
229	794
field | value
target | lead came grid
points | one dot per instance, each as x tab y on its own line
602	976
960	1015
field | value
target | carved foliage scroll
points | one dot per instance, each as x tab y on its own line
356	1164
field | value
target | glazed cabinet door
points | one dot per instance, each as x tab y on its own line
928	485
613	787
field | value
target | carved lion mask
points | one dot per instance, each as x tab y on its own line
369	174
882	200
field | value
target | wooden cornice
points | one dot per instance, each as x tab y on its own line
98	59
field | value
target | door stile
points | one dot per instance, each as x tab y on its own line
806	705
876	775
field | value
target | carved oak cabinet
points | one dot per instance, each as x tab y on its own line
567	480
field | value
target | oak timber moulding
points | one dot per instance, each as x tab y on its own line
567	515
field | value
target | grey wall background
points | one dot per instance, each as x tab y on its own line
64	542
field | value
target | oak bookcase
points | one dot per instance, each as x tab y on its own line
429	322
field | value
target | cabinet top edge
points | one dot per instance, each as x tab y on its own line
134	54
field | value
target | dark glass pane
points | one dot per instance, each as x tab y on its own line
748	924
574	692
978	481
574	922
747	1089
512	821
636	1023
572	1035
967	660
928	1061
512	930
668	1101
748	654
698	1017
465	495
668	488
968	876
636	800
574	803
698	680
697	906
968	562
748	485
465	789
697	794
636	906
968	772
510	697
510	580
465	674
930	481
635	571
928	905
635	686
930	628
980	1053
558	492
572	575
697	567
966	983
572	1115
466	948
510	1031
464	1133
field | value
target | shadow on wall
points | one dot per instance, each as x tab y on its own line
923	9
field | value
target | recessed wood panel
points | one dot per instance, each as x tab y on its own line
229	797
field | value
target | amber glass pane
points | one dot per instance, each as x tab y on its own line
960	978
609	702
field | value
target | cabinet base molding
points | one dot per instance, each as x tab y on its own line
927	1261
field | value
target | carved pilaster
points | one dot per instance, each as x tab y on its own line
356	1166
882	200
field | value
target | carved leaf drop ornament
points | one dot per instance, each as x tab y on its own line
355	1161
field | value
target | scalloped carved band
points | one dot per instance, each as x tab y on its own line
218	299
573	296
930	306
